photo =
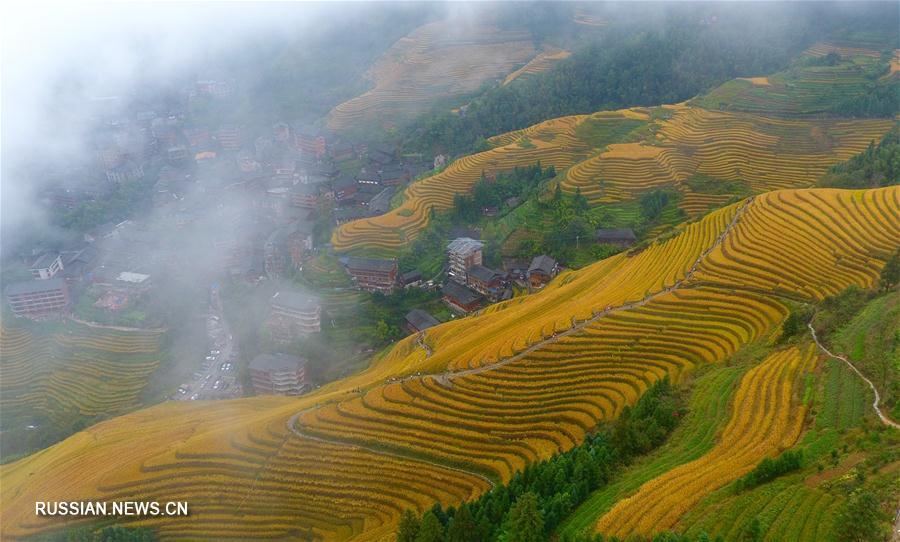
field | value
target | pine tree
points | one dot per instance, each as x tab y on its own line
463	528
524	523
430	530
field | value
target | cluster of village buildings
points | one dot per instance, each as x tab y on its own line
225	201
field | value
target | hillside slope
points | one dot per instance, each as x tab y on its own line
438	60
523	380
616	156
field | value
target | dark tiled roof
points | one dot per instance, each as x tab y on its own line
542	263
276	362
411	276
460	294
34	286
45	260
484	274
371	264
420	319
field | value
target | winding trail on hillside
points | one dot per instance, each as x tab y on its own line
881	416
292	427
444	378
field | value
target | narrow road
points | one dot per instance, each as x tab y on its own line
444	378
884	419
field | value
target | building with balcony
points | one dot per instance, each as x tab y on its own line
278	374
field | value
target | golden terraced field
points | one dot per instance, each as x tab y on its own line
85	370
434	61
541	63
552	143
678	142
521	381
767	417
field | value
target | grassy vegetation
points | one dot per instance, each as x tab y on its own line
872	340
707	412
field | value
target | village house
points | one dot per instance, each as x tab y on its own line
382	155
463	253
381	203
368	178
78	262
459	298
308	139
46	266
344	188
342	150
372	274
284	170
293	314
418	320
278	374
305	196
229	137
197	137
486	281
393	175
411	278
38	298
128	171
542	269
621	237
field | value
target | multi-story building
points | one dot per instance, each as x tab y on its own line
38	298
278	374
127	171
229	137
486	281
542	269
47	265
373	275
463	253
293	314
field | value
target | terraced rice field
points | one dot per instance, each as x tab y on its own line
802	90
521	381
89	371
798	507
820	229
541	63
766	417
436	60
707	413
551	143
607	165
765	153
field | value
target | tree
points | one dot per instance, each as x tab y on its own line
524	523
890	274
408	528
861	519
430	530
463	528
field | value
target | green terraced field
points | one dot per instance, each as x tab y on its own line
708	412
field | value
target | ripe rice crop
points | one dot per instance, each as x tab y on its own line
767	417
520	381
